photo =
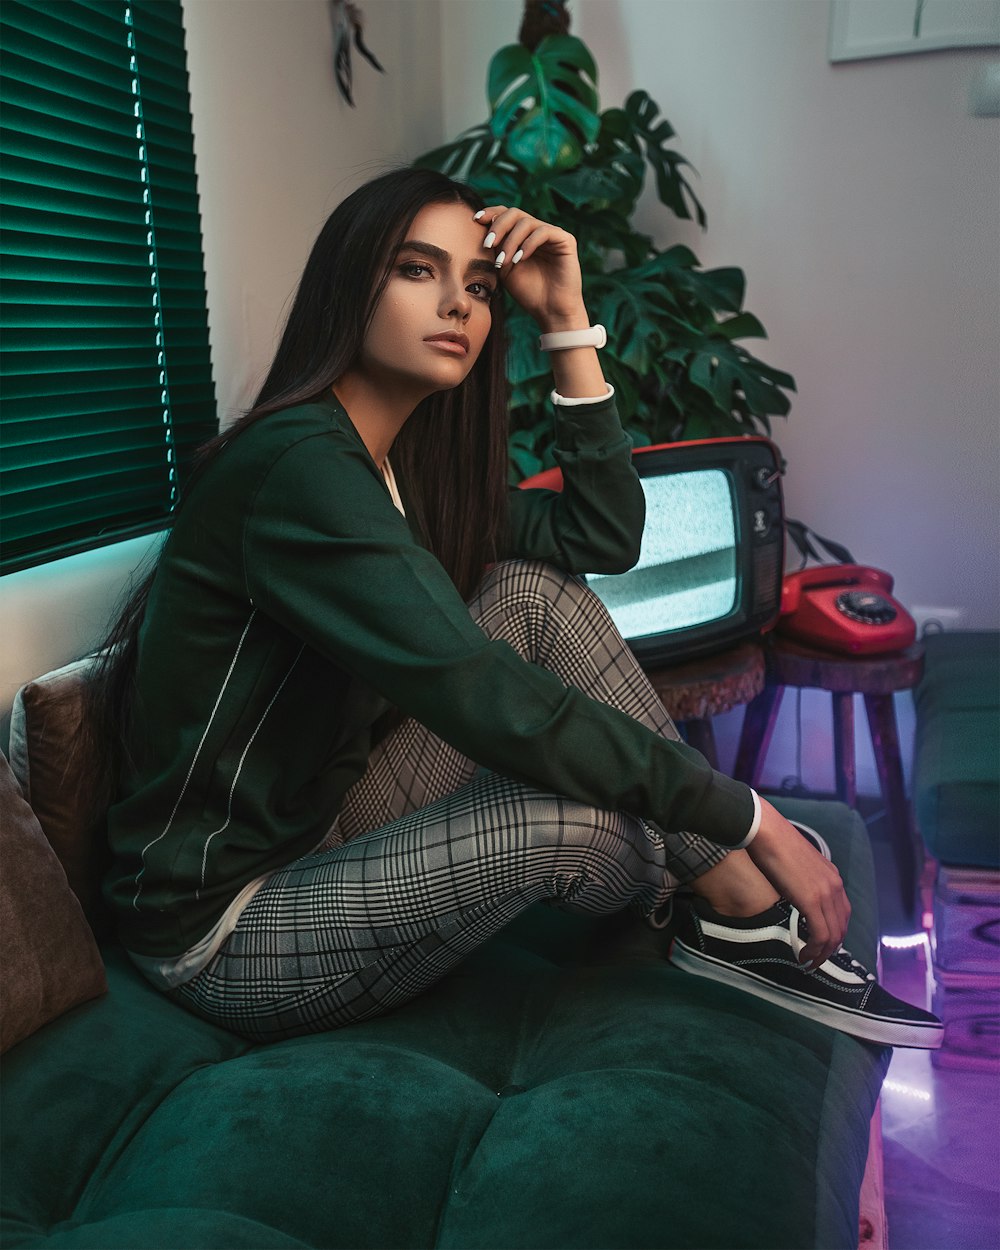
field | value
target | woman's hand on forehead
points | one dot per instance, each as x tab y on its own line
538	264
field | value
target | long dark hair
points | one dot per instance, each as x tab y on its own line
451	454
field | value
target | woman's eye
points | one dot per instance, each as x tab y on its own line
482	290
414	268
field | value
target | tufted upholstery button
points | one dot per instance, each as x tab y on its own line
508	1090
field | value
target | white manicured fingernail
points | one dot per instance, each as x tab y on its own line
501	257
517	256
479	214
490	239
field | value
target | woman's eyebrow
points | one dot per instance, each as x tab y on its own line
439	254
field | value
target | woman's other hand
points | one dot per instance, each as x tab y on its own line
806	878
539	266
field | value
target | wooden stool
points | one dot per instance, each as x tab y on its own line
695	692
876	677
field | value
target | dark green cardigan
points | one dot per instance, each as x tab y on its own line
292	607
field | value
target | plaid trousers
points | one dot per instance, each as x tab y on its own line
429	856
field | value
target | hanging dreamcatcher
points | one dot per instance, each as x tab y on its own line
348	25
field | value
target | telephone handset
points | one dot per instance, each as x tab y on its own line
845	607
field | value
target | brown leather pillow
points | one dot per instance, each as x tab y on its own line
50	760
49	960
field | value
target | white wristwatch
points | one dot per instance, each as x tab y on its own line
560	340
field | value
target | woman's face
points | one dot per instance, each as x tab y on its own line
434	315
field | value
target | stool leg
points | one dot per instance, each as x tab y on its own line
755	735
700	735
843	748
885	742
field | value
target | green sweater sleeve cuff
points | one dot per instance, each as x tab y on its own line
726	813
594	525
589	431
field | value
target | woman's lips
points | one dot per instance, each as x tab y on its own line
456	344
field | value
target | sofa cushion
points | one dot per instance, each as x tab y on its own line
53	761
564	1086
956	770
49	961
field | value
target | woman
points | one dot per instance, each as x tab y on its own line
291	854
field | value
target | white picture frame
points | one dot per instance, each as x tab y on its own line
869	28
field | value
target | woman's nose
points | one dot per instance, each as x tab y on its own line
456	300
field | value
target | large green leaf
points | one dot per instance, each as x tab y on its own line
745	326
628	307
721	369
473	149
498	185
524	360
597	188
544	102
677	269
671	186
522	447
602	234
721	289
619	152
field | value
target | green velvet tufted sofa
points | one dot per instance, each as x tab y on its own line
565	1087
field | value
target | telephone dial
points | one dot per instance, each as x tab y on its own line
845	607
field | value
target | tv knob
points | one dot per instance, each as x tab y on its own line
761	522
866	606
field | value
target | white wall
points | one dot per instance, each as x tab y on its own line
276	148
863	204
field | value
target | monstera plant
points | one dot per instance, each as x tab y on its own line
674	353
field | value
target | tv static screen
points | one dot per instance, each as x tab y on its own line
686	572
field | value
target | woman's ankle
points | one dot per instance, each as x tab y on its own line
736	887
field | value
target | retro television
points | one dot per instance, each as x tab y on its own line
710	570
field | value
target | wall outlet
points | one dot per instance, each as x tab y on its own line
936	620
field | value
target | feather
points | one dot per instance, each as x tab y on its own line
347	23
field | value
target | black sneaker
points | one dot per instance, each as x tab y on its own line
663	917
759	955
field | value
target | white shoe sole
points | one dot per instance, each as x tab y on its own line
869	1028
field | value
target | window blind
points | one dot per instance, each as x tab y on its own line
105	378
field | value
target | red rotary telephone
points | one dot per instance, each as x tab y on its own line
845	607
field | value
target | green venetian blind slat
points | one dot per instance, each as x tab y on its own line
28	124
51	385
24	342
87	454
30	85
84	23
123	411
29	245
107	506
50	272
85	463
81	212
65	50
52	430
161	32
136	440
37	173
42	231
52	296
